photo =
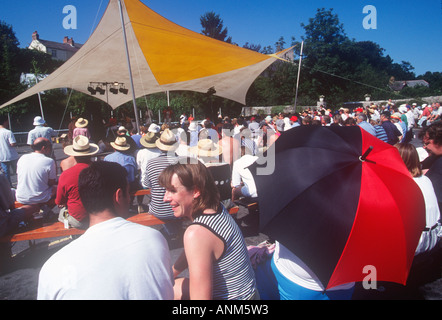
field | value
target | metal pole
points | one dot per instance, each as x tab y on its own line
9	122
39	98
299	72
137	119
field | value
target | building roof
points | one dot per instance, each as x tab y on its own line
67	45
60	46
399	85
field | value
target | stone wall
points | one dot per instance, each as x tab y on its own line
249	111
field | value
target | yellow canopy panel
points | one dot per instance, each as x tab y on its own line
176	54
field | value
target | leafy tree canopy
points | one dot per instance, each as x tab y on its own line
213	27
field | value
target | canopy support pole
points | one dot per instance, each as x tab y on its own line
39	98
137	119
299	72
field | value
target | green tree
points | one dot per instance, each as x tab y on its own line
9	59
435	81
13	62
343	69
279	45
213	27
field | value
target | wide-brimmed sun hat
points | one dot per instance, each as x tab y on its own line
120	144
167	141
148	140
38	121
154	128
81	123
206	148
81	147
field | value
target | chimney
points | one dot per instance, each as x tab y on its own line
71	41
35	36
65	39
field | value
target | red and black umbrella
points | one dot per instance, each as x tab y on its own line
341	200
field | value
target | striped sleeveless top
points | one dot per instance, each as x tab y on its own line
233	276
155	166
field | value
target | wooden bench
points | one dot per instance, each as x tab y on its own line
142	192
57	229
50	203
250	204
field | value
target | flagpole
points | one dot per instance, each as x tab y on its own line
299	72
137	119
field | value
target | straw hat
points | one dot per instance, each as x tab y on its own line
81	123
167	141
81	147
120	144
206	148
38	121
148	140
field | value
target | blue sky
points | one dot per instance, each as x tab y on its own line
408	30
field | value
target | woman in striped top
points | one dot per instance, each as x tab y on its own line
214	248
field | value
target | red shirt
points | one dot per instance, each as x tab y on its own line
67	191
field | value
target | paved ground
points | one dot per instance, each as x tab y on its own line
19	280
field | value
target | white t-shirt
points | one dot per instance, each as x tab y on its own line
143	156
240	172
113	260
428	239
34	170
7	153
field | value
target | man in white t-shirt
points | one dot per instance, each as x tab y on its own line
114	259
8	154
36	174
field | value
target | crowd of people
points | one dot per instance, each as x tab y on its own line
195	171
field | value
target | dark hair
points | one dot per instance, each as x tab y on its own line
98	183
386	114
193	176
3	118
434	132
38	144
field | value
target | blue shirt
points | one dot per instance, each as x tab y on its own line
367	127
127	161
41	131
380	133
137	138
